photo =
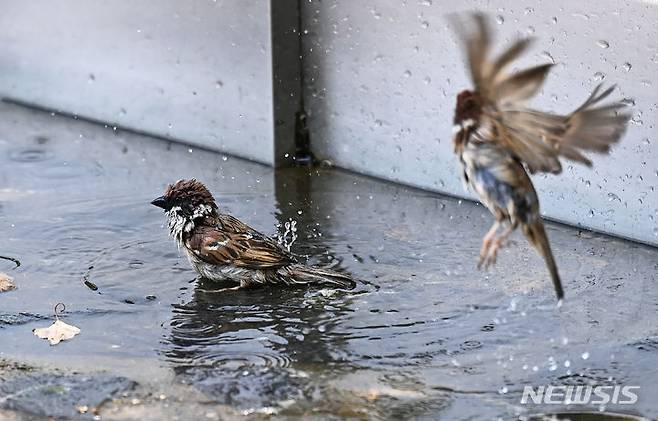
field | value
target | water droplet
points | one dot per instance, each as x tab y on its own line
548	56
376	14
591	213
655	231
426	2
628	102
427	80
530	30
407	73
554	20
92	78
599	76
170	125
398	148
626	67
585	355
612	197
424	24
224	158
603	43
502	390
500	20
567	363
219	84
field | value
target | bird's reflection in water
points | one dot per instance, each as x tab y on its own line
255	347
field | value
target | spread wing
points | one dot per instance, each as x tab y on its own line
233	242
538	139
489	76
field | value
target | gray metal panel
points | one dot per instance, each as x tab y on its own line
287	80
199	71
382	77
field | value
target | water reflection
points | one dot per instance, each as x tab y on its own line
240	348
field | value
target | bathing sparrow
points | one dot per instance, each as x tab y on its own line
220	247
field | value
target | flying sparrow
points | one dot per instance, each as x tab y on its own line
498	139
220	247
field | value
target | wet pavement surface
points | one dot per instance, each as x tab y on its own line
425	336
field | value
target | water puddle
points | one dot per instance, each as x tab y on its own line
424	335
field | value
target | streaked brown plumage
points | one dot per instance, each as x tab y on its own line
497	138
221	247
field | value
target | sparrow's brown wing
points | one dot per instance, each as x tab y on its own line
488	75
474	32
233	242
539	139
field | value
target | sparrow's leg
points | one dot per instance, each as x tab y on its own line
486	243
498	243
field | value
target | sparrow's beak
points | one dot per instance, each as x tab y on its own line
160	202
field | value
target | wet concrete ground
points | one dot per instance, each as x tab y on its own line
428	336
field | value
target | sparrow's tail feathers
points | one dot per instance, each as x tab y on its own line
537	235
308	274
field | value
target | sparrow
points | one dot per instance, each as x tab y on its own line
499	140
222	248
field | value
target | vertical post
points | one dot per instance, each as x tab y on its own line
286	77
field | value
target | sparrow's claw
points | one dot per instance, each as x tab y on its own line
491	252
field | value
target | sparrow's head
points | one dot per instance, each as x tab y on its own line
189	197
184	202
468	109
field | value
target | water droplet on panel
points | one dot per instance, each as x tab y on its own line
599	76
424	24
585	355
626	67
500	20
548	56
603	43
407	73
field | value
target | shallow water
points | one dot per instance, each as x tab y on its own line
426	335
